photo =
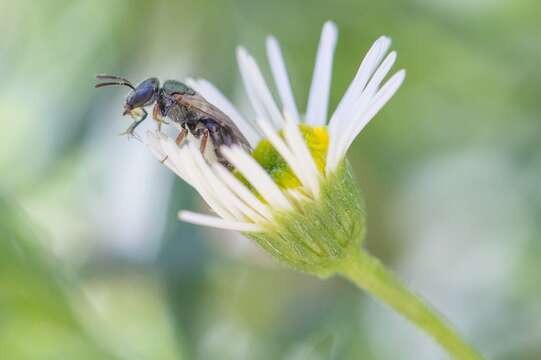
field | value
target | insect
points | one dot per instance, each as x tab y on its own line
182	105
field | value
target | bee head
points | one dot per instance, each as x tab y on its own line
140	96
144	94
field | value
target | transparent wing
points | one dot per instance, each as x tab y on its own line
203	108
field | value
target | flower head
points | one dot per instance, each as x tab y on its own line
294	194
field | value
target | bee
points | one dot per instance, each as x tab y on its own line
181	105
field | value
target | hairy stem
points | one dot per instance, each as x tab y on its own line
370	274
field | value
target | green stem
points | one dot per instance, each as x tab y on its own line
370	274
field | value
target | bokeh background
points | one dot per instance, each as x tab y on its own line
95	265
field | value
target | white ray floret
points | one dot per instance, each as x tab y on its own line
154	143
281	78
218	188
213	221
260	95
202	185
241	208
367	67
223	197
307	165
242	192
355	119
382	96
257	176
300	161
318	100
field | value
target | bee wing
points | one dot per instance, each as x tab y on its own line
200	105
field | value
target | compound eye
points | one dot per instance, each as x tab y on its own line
144	94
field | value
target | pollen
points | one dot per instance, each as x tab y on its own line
317	140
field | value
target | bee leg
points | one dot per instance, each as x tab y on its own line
130	131
200	133
181	136
157	117
204	141
219	139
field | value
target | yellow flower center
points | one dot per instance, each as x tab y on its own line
317	140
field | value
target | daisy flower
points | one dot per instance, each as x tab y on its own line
296	178
294	194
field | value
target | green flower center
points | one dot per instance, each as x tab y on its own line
317	140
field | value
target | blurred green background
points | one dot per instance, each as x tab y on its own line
95	265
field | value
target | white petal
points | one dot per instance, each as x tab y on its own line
381	98
318	100
201	185
171	150
290	158
257	176
297	196
234	204
258	91
212	221
219	190
155	142
281	78
340	136
347	107
380	73
215	97
365	71
306	162
242	191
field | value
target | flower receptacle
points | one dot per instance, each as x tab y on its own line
322	232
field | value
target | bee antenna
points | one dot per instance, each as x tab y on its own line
114	83
119	81
107	76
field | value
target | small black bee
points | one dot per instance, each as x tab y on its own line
182	105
